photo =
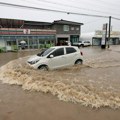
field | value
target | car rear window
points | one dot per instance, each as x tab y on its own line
70	50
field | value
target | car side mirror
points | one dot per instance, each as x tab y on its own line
51	56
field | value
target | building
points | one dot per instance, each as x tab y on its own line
67	31
36	34
114	38
95	38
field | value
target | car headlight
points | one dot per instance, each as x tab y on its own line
33	62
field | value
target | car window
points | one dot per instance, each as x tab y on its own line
58	52
86	42
45	52
70	50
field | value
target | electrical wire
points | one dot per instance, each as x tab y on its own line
108	3
96	4
71	6
50	10
34	3
93	21
115	18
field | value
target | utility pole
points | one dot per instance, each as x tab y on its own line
109	31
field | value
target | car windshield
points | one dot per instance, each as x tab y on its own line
80	41
45	52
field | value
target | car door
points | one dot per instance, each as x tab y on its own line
71	55
58	59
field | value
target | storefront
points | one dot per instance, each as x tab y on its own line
113	41
13	41
114	38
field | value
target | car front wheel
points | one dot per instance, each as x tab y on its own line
82	45
43	68
78	62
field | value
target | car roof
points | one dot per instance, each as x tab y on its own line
86	41
63	46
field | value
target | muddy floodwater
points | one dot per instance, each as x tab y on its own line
95	85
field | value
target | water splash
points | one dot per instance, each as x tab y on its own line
74	84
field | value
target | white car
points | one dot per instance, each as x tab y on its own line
85	43
77	43
56	57
82	43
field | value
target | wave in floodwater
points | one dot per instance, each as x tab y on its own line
76	84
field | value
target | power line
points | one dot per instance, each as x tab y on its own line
93	21
108	3
95	3
71	6
50	10
115	18
36	3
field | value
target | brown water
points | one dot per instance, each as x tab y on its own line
94	84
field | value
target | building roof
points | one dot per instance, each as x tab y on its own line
10	23
36	23
66	22
17	23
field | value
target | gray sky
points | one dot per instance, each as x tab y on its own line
98	7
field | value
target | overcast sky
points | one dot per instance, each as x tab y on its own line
97	7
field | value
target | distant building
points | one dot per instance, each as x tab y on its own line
36	34
96	37
114	38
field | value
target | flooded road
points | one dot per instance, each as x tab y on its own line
94	84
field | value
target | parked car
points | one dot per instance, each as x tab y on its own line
82	43
56	57
78	44
85	43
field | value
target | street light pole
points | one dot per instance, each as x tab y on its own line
109	31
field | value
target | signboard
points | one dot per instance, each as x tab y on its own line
103	38
104	34
26	31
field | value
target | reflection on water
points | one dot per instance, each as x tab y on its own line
96	83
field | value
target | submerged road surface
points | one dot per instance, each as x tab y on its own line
90	91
